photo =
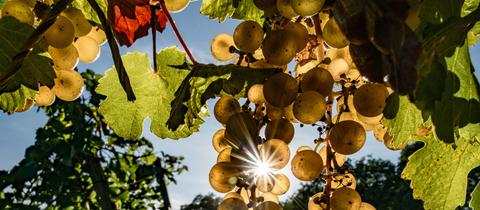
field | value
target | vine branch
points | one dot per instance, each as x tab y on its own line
37	33
163	187
100	183
117	58
153	22
177	33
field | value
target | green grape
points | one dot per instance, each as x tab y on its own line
335	157
370	99
347	137
344	53
248	36
309	107
98	35
343	180
232	203
319	80
80	23
280	129
279	47
220	47
255	94
61	34
175	6
225	107
88	49
282	184
333	35
275	152
366	206
268	197
68	85
307	165
307	7
44	97
265	183
64	58
223	176
27	106
288	114
345	116
274	113
337	68
19	10
233	195
280	90
268	205
370	120
285	9
224	155
218	140
300	33
345	199
241	132
317	202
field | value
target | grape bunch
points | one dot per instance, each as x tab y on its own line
337	87
71	38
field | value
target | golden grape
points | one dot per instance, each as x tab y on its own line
280	90
68	85
307	7
44	97
282	184
61	33
306	165
220	47
225	107
280	129
319	80
19	10
345	199
88	49
333	35
223	177
309	107
279	47
347	137
370	99
248	36
232	203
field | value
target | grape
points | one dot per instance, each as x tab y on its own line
268	196
338	67
268	205
368	61
335	157
366	206
370	99
275	152
307	165
299	32
98	35
307	7
282	184
370	120
345	199
279	47
343	180
288	112
268	6
347	137
80	23
265	183
255	94
19	10
175	6
232	203
44	97
88	49
241	131
64	58
309	107
318	80
285	9
248	36
218	141
344	53
280	129
344	116
274	113
352	16
224	155
317	202
220	47
302	148
223	177
333	35
233	195
68	85
61	33
27	106
225	107
280	90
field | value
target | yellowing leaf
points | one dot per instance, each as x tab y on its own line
9	102
221	9
88	11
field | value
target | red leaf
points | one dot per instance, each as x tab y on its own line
131	19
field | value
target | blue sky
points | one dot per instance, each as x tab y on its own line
17	131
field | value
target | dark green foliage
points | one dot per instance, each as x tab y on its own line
203	202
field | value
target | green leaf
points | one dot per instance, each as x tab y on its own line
475	200
88	11
221	9
154	94
208	81
36	67
439	171
9	102
474	33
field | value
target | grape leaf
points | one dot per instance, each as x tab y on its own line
208	81
88	11
221	9
36	67
474	33
439	171
154	93
475	200
9	102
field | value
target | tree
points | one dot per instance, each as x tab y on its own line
78	162
203	202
